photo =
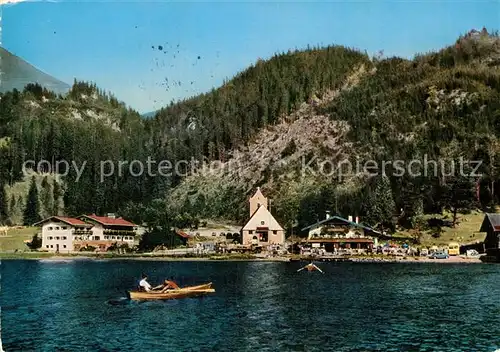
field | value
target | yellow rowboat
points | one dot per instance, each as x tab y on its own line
170	294
191	291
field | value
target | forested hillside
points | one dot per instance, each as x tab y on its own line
441	106
330	104
82	128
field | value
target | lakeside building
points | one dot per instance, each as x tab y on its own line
184	237
491	243
335	233
58	232
67	234
491	226
106	230
262	229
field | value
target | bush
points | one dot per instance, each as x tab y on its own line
122	247
35	243
290	148
436	232
88	249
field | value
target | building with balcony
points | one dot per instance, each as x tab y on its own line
59	232
66	234
335	233
105	232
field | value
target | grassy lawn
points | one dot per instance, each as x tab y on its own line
15	237
465	231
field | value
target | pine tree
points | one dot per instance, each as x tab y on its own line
380	205
47	198
459	195
31	212
57	193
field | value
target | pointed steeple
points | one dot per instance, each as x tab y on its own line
256	201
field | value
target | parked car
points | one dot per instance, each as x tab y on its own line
439	255
472	253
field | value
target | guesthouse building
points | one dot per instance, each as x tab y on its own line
66	234
262	229
335	233
58	233
106	231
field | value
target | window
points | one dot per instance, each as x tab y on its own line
47	246
49	228
50	238
97	238
64	246
275	232
113	238
57	237
57	227
65	227
64	238
250	232
262	222
106	237
51	246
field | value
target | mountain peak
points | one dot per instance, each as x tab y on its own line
16	73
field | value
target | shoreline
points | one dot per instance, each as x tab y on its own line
354	259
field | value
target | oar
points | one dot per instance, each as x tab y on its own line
318	269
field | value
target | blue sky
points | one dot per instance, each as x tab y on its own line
110	42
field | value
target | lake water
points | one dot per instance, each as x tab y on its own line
81	306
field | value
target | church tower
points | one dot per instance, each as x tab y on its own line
256	201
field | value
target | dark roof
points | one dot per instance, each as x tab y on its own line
493	219
364	227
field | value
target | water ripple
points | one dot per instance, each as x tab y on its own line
257	306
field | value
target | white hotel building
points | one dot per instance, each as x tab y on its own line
65	234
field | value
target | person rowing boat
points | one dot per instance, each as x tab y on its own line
311	267
167	285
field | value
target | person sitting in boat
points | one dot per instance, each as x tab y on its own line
144	284
310	267
167	285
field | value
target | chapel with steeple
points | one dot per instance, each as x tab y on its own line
262	228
